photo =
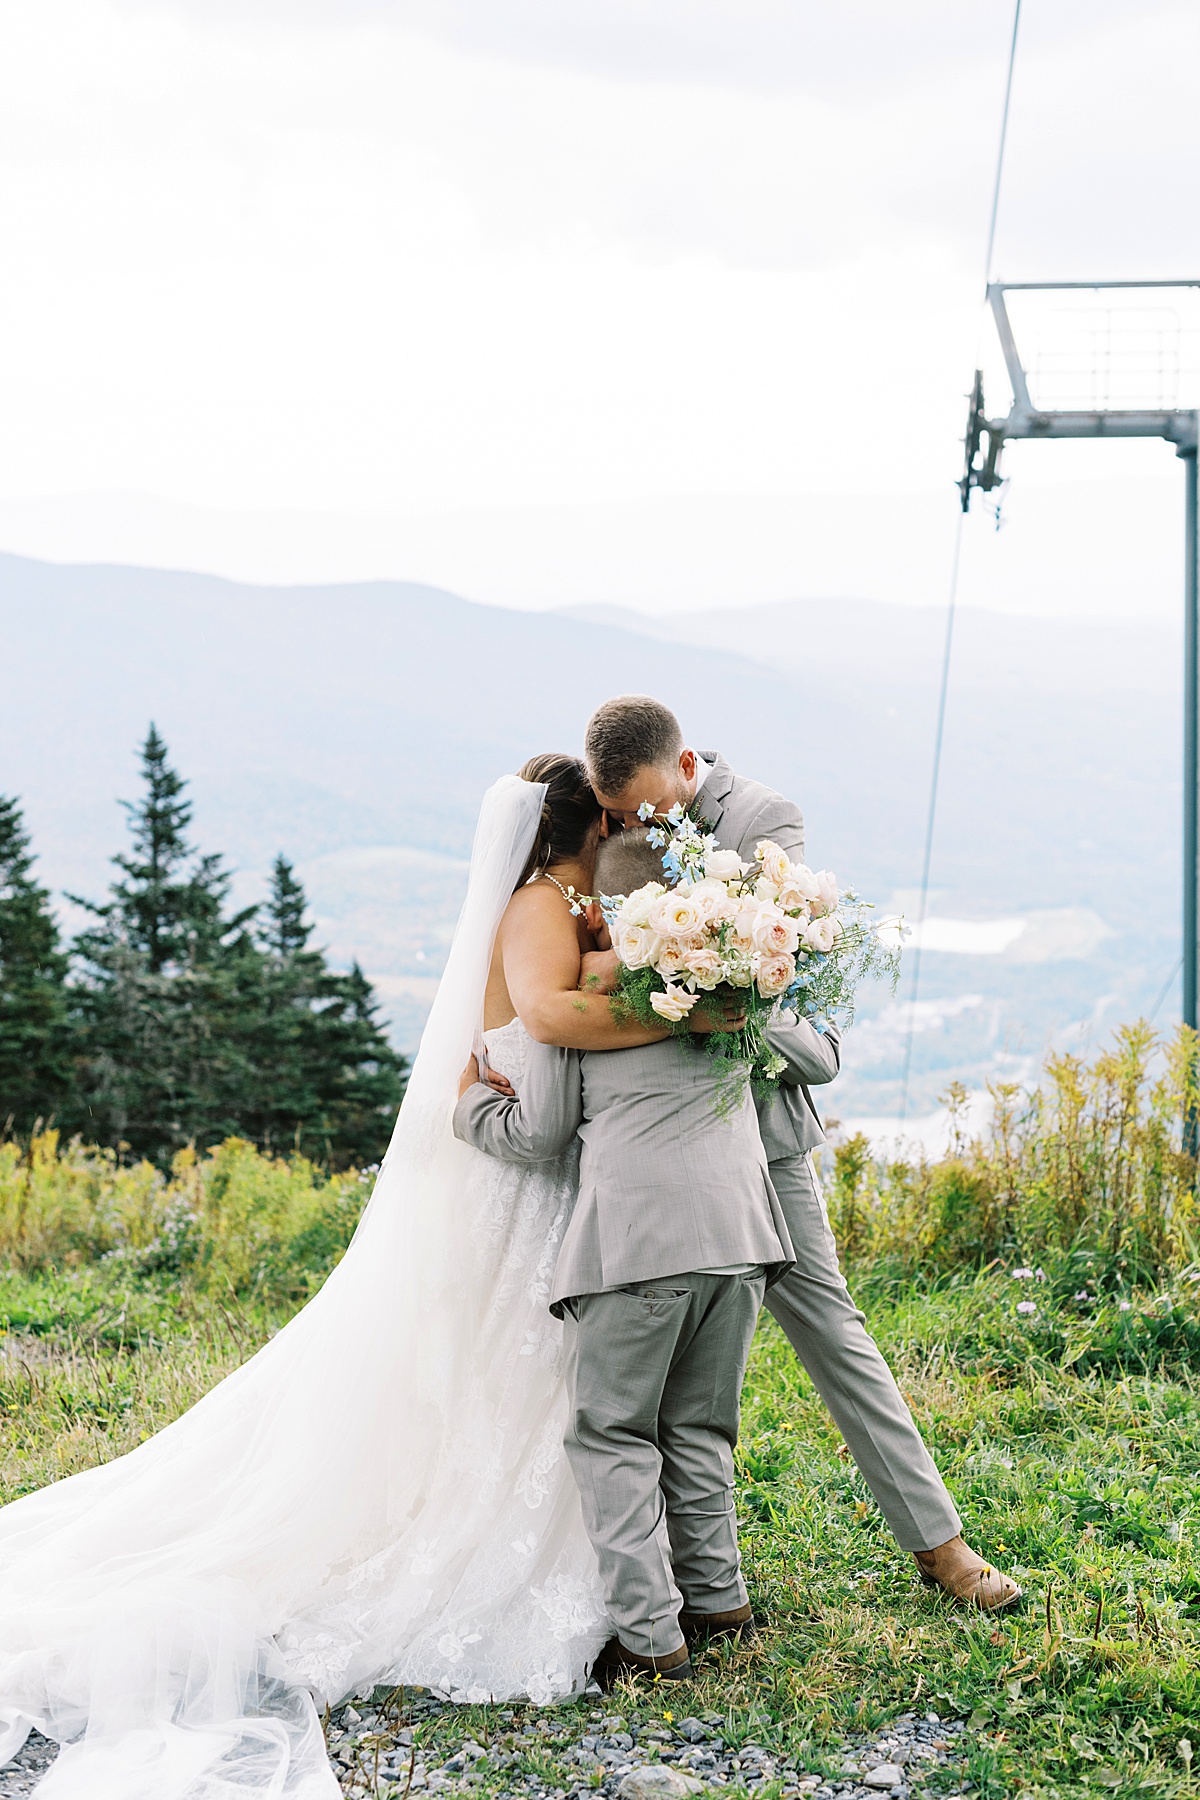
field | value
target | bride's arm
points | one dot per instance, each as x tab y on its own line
539	945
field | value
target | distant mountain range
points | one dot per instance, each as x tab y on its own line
355	727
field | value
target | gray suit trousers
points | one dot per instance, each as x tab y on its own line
828	1333
654	1381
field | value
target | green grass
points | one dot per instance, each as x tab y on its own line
1070	1437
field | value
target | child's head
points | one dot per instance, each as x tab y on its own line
624	862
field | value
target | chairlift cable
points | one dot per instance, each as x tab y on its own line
1172	978
952	604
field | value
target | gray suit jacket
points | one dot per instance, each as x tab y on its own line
741	813
666	1185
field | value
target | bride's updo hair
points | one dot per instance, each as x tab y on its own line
569	811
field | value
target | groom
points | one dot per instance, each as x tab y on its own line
659	1280
635	752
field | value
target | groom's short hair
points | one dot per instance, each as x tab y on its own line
628	860
629	733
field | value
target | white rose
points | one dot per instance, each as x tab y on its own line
713	901
676	915
723	865
636	910
822	934
798	890
637	946
776	863
674	1004
827	892
744	922
775	973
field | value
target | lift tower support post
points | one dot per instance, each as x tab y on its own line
1180	427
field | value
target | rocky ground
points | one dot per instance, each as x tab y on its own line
552	1755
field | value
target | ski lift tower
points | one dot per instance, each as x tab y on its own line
1113	340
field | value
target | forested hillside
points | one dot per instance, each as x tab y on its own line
355	727
175	1019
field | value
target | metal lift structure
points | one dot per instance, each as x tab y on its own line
984	442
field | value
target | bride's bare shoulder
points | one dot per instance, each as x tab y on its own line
538	906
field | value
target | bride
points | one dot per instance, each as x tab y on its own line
380	1495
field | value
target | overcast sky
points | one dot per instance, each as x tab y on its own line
515	258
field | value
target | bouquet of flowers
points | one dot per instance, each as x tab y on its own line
771	932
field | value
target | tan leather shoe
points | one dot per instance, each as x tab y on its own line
739	1624
615	1661
957	1570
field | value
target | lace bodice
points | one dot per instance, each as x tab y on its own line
506	1047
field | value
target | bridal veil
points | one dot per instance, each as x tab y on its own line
328	1516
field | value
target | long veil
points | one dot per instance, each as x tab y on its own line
170	1617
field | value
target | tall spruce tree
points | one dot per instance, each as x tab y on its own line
170	985
36	1040
328	1081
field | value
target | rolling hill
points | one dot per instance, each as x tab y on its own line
355	726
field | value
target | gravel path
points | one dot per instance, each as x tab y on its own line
549	1755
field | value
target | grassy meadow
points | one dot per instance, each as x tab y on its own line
1037	1294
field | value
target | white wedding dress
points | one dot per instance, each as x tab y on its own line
379	1496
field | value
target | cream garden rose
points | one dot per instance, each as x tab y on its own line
676	915
776	863
711	899
723	865
775	934
775	974
673	1004
637	908
637	946
822	934
705	965
798	889
827	892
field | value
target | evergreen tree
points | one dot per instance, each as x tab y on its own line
328	1080
170	985
36	1063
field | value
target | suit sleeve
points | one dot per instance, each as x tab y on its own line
813	1057
539	1123
780	821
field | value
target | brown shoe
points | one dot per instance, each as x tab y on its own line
737	1624
615	1660
957	1570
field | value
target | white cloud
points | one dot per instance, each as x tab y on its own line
967	937
1058	934
371	257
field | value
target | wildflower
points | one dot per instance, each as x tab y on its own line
1022	1274
1081	1295
1026	1306
1124	1306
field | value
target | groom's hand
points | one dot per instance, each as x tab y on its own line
499	1082
729	1014
469	1076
